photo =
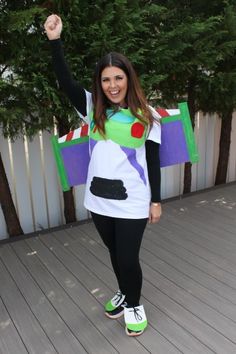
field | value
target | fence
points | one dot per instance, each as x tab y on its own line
36	191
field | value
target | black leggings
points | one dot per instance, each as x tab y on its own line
123	239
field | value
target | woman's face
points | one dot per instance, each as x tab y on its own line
114	84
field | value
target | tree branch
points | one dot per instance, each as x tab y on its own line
4	69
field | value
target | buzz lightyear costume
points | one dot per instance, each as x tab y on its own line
117	183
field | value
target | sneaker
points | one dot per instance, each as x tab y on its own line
115	307
117	312
115	302
135	320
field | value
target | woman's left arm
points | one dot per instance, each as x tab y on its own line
154	175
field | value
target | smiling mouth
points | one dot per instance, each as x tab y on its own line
114	93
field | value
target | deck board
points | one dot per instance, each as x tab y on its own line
89	336
193	257
10	341
26	323
54	285
43	310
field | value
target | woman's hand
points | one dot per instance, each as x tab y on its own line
154	213
53	27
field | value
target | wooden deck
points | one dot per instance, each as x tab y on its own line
53	286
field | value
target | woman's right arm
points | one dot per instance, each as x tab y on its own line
75	92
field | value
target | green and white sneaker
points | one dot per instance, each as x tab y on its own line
115	307
135	320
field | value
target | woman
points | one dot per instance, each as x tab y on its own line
123	183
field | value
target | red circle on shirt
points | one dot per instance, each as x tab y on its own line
137	130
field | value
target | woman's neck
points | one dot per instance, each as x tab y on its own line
117	107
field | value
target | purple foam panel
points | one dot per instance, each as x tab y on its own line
173	149
76	160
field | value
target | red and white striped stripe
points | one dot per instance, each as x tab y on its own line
159	113
74	134
167	112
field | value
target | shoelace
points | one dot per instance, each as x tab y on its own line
118	297
137	315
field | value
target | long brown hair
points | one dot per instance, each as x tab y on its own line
135	98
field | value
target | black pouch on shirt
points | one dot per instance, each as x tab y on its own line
108	188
